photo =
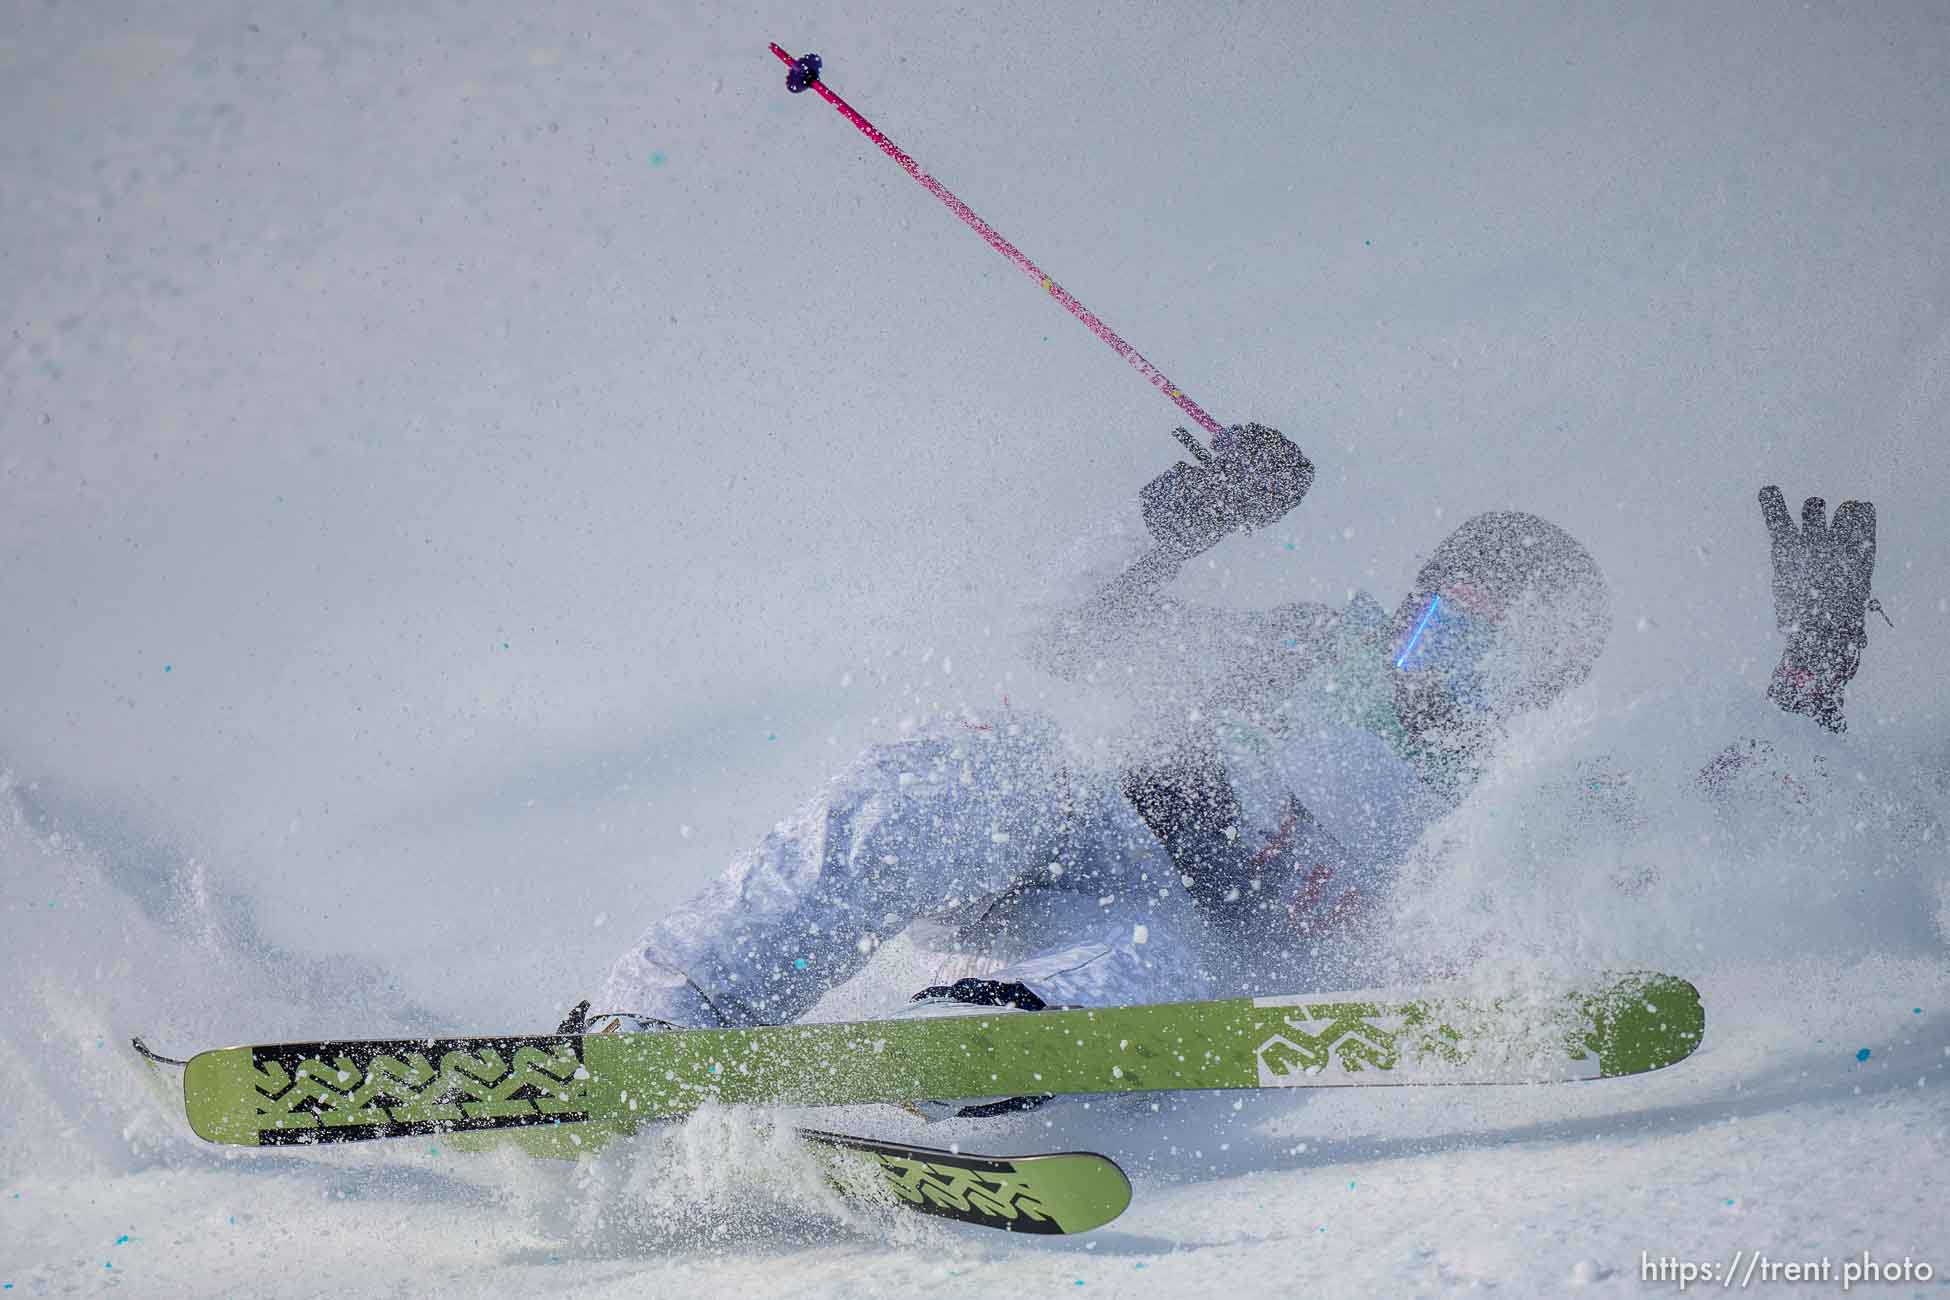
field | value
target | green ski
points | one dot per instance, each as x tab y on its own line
1048	1193
575	1090
1061	1192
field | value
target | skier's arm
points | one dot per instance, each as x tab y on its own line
1821	601
1104	602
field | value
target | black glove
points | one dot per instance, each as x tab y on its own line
984	993
1821	597
1254	476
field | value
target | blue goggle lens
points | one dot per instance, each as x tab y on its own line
1445	639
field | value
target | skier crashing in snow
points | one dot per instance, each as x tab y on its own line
1251	848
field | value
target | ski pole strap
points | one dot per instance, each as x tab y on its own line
803	75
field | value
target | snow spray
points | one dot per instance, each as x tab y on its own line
803	74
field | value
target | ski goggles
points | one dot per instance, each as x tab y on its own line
1448	644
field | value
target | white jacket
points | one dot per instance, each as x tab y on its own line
989	829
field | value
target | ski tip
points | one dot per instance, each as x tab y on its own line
152	1056
218	1088
1644	1021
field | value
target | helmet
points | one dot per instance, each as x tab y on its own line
1507	614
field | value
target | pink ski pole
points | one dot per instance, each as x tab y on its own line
804	74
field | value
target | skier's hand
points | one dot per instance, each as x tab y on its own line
1822	569
983	993
1255	476
1821	598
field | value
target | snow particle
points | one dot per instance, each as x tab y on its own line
1141	934
1587	1271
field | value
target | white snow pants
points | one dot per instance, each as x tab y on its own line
983	826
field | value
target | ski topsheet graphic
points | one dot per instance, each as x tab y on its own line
1062	1192
357	1090
1046	1193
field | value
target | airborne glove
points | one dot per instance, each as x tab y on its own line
1821	597
1254	476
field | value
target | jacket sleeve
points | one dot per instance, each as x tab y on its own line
1100	612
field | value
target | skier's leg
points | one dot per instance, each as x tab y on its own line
910	828
1097	955
1110	926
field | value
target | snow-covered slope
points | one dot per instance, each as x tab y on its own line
1812	1122
465	470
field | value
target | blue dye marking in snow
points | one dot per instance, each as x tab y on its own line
1916	1011
1350	1184
798	963
122	1240
657	158
771	735
1862	1055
